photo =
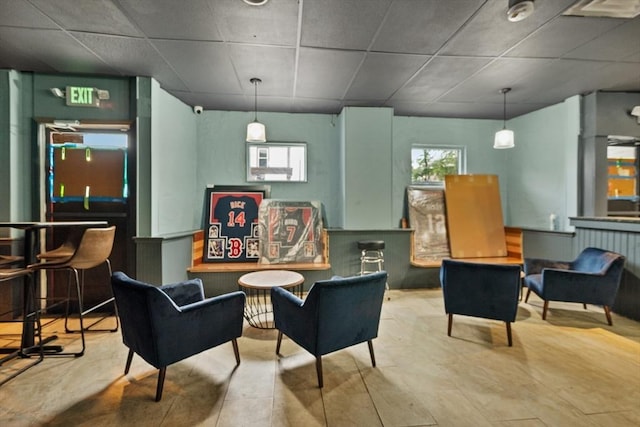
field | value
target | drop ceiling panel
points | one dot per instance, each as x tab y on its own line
132	56
342	24
203	66
382	74
101	16
274	65
562	35
439	76
327	106
170	19
222	102
315	81
617	44
23	14
404	27
468	110
489	33
274	23
57	49
484	85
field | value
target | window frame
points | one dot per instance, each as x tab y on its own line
462	162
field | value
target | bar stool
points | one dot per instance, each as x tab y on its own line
30	319
371	256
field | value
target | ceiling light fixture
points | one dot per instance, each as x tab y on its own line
519	10
504	138
57	92
255	2
256	131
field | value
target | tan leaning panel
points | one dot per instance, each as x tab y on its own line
474	216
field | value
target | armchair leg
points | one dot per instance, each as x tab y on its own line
526	299
585	306
545	307
129	359
279	342
607	313
161	374
509	333
373	357
319	371
235	350
450	324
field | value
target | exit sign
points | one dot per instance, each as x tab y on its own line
80	96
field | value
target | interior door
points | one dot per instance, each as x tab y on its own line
86	178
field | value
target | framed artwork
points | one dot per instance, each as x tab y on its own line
290	231
428	220
231	223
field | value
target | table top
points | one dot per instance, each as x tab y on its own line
267	279
47	224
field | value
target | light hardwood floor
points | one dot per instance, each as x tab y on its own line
571	370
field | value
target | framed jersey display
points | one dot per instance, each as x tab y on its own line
290	231
428	220
231	223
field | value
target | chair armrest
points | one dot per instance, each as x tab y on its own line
294	319
286	298
536	265
197	326
186	292
578	286
213	302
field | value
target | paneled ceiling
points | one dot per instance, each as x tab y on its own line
436	58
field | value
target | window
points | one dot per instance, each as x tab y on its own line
284	161
430	163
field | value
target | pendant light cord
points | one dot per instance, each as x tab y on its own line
255	102
504	106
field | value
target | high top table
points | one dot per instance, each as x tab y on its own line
257	286
31	246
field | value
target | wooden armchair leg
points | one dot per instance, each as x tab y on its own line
161	374
607	313
545	307
509	333
373	356
129	359
526	298
585	306
450	323
279	342
319	371
235	350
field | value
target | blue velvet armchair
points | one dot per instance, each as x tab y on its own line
336	314
166	324
488	291
592	278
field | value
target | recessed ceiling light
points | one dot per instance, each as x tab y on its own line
255	2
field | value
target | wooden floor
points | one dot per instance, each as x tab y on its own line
571	370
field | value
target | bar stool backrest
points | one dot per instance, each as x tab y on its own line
94	248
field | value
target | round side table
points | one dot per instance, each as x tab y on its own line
257	286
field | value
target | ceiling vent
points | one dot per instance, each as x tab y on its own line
605	8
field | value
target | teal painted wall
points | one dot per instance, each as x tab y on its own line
222	154
543	166
475	135
368	148
174	159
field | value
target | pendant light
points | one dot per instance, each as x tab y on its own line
504	137
256	131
